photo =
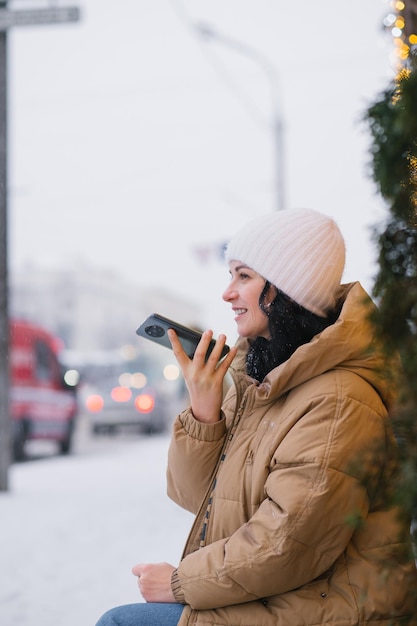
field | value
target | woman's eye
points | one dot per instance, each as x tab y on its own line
244	276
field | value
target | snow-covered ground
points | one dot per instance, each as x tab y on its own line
72	527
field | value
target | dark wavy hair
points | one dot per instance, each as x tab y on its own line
290	326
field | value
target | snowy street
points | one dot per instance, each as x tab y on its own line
72	528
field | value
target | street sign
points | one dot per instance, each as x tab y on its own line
31	17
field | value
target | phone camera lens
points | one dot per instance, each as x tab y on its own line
154	331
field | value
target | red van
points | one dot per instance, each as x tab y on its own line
43	404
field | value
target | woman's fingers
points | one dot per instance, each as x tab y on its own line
177	348
204	376
216	352
227	361
200	359
203	345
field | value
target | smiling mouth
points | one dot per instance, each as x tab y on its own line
239	311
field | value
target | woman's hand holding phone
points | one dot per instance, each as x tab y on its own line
204	375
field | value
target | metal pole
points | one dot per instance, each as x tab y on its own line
5	422
68	14
210	33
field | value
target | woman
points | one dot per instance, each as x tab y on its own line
290	477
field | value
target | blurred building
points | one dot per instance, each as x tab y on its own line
91	309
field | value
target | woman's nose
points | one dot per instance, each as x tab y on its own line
229	294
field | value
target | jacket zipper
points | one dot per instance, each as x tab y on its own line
208	498
226	445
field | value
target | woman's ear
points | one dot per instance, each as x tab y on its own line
270	295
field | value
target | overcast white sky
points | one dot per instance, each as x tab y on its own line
133	142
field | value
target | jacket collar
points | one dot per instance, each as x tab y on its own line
349	344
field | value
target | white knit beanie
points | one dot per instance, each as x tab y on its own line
300	251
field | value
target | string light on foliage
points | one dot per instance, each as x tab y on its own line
401	21
389	20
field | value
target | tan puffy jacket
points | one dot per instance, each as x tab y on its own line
289	490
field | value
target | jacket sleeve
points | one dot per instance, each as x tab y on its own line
314	497
192	459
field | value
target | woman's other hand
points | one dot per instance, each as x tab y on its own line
154	581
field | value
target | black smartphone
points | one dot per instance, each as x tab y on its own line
155	328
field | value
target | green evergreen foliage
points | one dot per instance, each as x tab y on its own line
392	121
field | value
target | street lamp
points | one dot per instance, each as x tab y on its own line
209	33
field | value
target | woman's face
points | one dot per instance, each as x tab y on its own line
243	294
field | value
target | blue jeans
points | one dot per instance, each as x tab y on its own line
142	614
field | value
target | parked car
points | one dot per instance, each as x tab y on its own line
111	406
43	402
